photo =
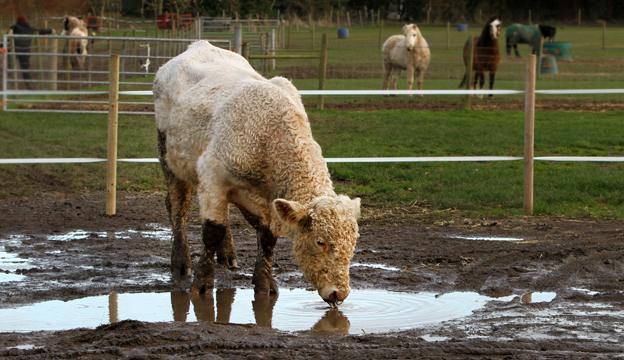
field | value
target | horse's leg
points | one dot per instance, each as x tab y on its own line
395	78
492	76
178	201
410	77
516	50
476	78
386	78
420	77
508	46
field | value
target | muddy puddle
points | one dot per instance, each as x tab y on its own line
154	231
9	264
365	311
485	238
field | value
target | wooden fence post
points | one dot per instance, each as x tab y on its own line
238	38
380	39
322	70
113	117
539	52
273	47
54	64
529	134
448	35
113	308
604	34
469	70
288	31
578	17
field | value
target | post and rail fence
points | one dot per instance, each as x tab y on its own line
530	92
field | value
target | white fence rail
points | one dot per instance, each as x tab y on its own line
369	160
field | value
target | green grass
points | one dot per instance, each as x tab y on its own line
570	189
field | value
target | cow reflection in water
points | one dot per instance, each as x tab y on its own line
333	322
204	307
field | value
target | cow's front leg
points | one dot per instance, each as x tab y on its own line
214	212
263	271
226	253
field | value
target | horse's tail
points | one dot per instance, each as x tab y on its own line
463	82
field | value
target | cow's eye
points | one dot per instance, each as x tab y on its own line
320	242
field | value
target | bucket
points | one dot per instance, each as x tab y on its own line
462	27
343	33
561	50
549	65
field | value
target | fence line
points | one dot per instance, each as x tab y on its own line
336	92
528	157
342	160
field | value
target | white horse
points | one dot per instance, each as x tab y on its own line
410	52
72	26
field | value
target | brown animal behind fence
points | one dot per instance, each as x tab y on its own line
486	55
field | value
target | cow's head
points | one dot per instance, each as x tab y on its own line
412	33
324	232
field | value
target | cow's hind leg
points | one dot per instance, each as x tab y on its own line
179	194
263	272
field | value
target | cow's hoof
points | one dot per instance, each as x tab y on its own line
265	285
228	261
203	279
181	271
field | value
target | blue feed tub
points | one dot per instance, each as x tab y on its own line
343	33
561	50
462	27
549	65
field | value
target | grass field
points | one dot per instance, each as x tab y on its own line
573	189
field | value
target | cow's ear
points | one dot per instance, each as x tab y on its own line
291	213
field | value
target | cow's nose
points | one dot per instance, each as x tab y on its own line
337	296
332	295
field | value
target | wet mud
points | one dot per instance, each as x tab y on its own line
437	285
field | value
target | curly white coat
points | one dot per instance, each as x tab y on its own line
246	140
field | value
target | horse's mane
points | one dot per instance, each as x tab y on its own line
485	39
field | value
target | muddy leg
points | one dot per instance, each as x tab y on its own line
213	237
263	272
178	201
226	253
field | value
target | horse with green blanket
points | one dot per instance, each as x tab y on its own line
527	34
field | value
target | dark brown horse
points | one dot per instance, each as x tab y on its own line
485	55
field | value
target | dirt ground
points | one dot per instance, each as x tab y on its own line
581	260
